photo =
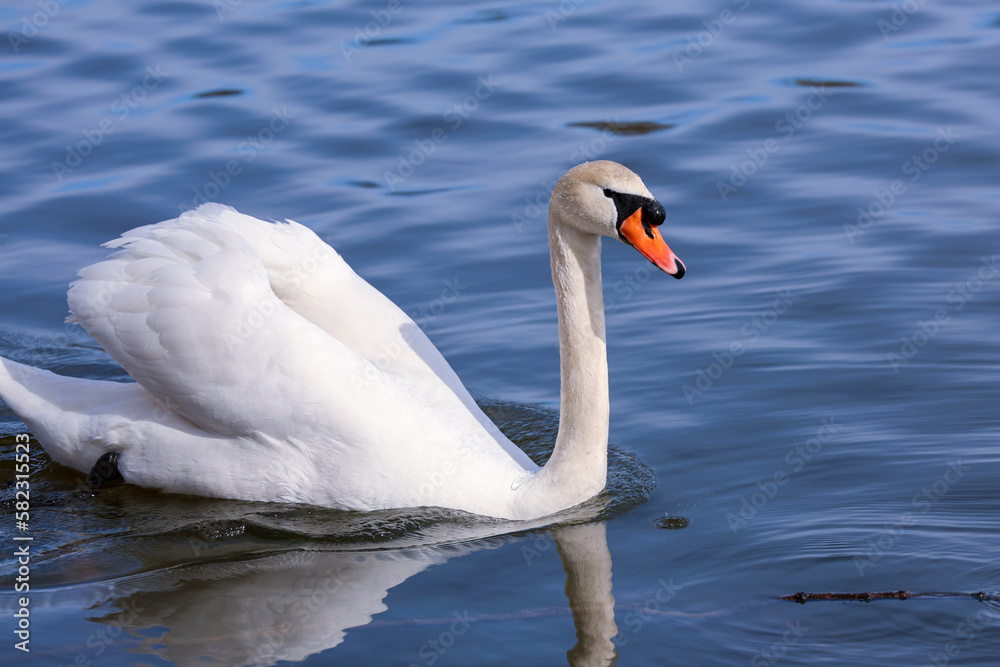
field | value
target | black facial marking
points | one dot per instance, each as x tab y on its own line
653	213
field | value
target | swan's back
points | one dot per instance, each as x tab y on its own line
260	333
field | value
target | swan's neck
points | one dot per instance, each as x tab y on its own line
578	467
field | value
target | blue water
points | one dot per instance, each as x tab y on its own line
817	398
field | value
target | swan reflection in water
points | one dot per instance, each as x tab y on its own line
272	583
239	609
290	605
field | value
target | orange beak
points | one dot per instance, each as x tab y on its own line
647	240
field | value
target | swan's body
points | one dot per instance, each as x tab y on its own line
266	369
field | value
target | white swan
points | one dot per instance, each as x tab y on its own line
267	370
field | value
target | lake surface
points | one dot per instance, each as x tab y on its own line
817	400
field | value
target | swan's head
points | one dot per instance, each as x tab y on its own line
608	199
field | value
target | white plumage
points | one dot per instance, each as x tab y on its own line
266	369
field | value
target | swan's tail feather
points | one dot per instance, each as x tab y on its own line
76	420
118	430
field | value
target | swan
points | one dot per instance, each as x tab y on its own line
266	369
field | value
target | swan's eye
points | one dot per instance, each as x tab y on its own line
609	193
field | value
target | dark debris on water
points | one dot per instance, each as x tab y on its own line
802	597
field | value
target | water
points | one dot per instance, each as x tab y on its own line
816	399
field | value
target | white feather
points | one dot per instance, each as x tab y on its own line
266	369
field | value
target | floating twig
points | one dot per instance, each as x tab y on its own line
802	598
